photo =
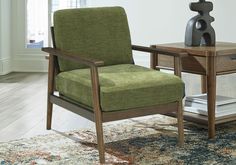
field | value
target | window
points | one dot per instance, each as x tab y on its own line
38	19
37	24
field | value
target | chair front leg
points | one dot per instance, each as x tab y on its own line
100	140
51	71
180	124
97	113
49	114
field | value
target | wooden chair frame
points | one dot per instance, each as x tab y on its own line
97	115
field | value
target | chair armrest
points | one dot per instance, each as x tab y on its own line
92	63
157	50
177	56
72	57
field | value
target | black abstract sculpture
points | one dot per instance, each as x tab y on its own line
199	30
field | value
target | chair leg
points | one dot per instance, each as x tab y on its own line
100	140
180	124
49	115
51	71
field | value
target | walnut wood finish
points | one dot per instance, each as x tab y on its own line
208	61
154	59
221	49
180	123
73	57
177	66
155	50
211	94
204	83
96	114
51	71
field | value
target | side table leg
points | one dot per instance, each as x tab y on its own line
203	84
211	95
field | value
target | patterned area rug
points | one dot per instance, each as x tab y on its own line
148	140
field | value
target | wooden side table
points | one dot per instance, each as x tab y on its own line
208	62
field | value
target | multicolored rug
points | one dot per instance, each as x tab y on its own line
136	141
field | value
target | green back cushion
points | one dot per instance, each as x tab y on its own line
99	33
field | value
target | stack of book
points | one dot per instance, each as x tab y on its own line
198	104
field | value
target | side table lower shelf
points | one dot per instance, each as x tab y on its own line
201	119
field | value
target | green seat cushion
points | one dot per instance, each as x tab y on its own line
97	33
122	87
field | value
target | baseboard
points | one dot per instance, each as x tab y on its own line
30	64
5	66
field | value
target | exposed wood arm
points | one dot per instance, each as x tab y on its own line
157	50
153	50
93	64
73	57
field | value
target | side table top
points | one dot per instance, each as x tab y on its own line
221	48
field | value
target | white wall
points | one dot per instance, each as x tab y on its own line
163	21
158	21
152	21
5	37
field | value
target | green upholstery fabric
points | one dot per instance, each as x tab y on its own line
99	33
122	87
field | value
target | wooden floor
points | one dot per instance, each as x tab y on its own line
23	104
23	108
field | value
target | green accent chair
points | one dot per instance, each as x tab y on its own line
92	68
